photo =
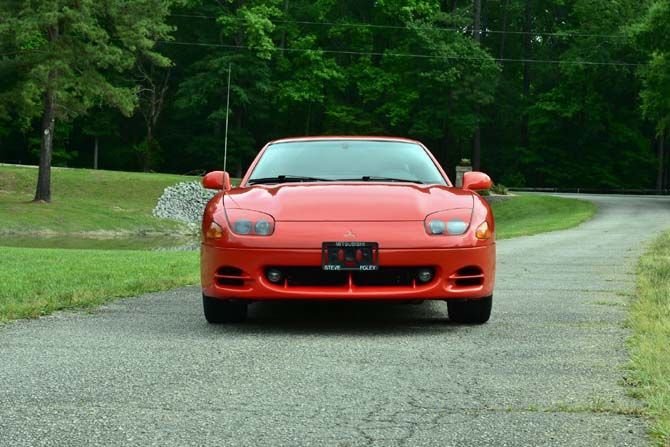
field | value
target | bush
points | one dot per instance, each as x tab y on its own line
499	188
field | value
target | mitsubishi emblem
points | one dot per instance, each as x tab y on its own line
350	234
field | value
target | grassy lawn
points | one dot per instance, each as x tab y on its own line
650	343
525	215
84	200
38	281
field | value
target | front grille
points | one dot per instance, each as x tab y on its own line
389	276
384	277
313	276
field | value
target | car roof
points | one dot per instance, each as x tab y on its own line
345	137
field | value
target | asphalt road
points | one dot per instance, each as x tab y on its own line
546	370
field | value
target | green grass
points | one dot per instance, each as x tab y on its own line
525	215
650	342
39	281
84	201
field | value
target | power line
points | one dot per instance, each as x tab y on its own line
428	28
402	55
23	51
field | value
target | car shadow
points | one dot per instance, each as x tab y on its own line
345	318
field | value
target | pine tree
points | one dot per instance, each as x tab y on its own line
72	54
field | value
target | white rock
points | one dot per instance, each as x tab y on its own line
184	202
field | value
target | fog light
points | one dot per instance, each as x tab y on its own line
424	275
274	275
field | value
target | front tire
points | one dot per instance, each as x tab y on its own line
470	311
224	311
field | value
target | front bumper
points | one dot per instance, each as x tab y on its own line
459	273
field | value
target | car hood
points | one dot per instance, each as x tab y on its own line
300	202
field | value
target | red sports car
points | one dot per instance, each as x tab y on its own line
347	218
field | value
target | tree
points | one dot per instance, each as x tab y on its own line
241	35
477	36
154	82
565	104
651	33
99	122
72	53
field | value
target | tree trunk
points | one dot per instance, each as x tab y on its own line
146	162
43	191
661	161
527	38
504	31
283	33
477	149
477	36
476	25
95	153
666	182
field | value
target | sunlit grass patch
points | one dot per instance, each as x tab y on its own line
84	200
650	343
37	282
525	215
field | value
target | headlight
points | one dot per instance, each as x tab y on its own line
242	226
250	223
449	222
263	227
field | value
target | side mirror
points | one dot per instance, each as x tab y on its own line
476	181
217	180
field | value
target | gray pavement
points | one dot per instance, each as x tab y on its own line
546	370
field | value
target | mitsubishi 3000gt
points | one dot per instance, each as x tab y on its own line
347	218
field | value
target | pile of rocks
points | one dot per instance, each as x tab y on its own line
184	202
492	198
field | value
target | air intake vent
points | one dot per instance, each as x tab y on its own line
470	276
230	276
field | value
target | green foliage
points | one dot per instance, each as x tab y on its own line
70	56
650	343
499	188
74	47
584	126
651	33
567	93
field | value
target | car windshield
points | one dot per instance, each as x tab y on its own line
330	160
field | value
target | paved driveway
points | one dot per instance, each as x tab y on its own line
546	370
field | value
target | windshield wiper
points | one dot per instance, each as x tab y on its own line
375	178
285	179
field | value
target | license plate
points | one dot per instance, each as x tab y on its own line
359	256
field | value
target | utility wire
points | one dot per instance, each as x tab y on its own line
429	28
401	55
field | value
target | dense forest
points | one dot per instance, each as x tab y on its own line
572	93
